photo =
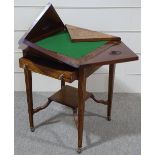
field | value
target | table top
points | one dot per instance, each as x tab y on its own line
48	36
62	44
81	53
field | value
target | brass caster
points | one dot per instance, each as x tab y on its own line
109	118
79	150
32	129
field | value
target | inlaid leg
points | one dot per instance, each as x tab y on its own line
81	106
28	82
110	89
62	83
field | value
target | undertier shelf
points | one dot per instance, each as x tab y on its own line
68	96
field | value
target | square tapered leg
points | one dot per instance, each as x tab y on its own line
110	89
81	106
28	82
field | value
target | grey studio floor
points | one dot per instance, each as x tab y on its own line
56	133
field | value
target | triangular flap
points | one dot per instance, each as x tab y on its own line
115	54
48	22
81	34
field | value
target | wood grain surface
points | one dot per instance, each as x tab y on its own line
80	34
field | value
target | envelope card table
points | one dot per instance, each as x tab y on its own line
69	53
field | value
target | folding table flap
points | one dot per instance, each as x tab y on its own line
47	23
78	34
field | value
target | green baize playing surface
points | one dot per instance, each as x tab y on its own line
62	44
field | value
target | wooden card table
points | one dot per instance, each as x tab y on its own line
48	49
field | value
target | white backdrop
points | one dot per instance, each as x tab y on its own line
121	18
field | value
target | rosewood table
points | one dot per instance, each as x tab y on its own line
51	49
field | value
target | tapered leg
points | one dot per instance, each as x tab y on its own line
28	82
81	106
110	89
62	83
